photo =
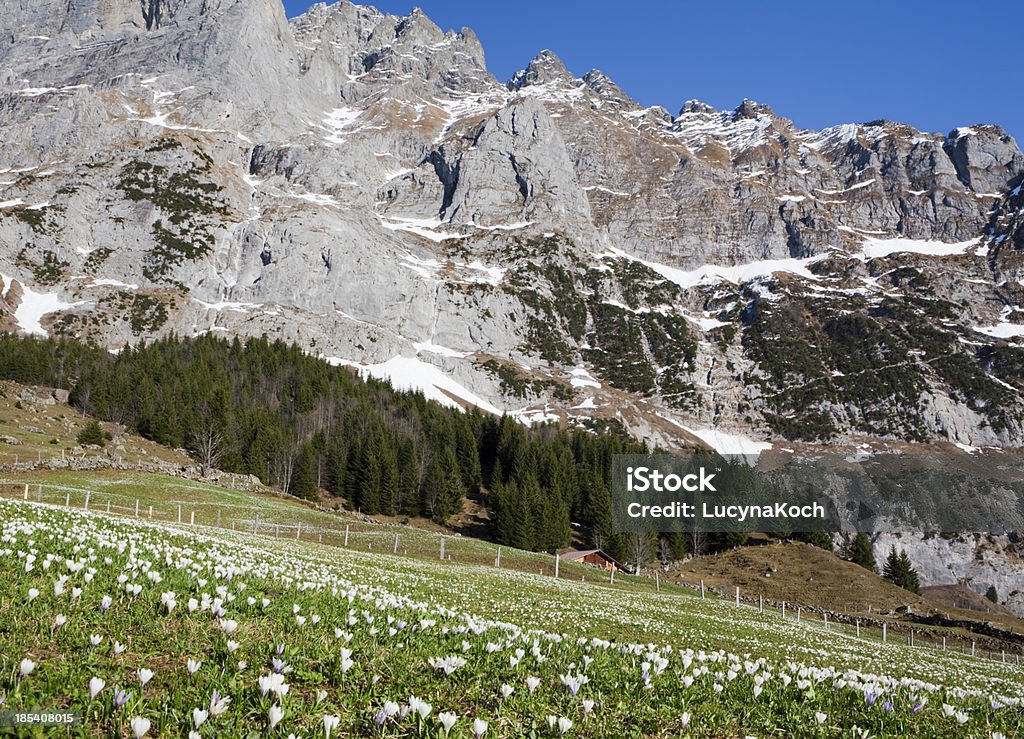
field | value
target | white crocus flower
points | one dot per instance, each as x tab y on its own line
447	720
140	726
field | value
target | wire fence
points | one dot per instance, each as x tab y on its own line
307	524
874	628
380	538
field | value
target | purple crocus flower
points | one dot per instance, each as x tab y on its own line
121	697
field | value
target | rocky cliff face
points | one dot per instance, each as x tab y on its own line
360	183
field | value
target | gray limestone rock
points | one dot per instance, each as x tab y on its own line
361	184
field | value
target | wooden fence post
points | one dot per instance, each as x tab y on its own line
192	519
396	545
556	565
442	549
87	494
885	632
702	590
497	559
136	507
737	595
346	534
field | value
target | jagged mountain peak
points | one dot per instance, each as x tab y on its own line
697	106
417	24
752	109
606	88
366	53
544	68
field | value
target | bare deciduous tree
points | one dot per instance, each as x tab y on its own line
208	444
641	548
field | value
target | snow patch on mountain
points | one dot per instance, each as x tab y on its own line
723	442
1002	330
35	306
875	248
737	274
408	373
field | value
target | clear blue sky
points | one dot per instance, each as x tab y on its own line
935	64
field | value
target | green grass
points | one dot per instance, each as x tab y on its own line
279	516
650	658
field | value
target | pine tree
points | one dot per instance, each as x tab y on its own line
861	552
388	460
599	515
92	434
890	570
451	491
337	461
992	594
524	531
899	570
368	476
908	575
468	457
500	503
304	476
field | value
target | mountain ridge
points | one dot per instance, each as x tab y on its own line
369	190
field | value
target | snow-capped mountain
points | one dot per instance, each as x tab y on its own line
361	184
